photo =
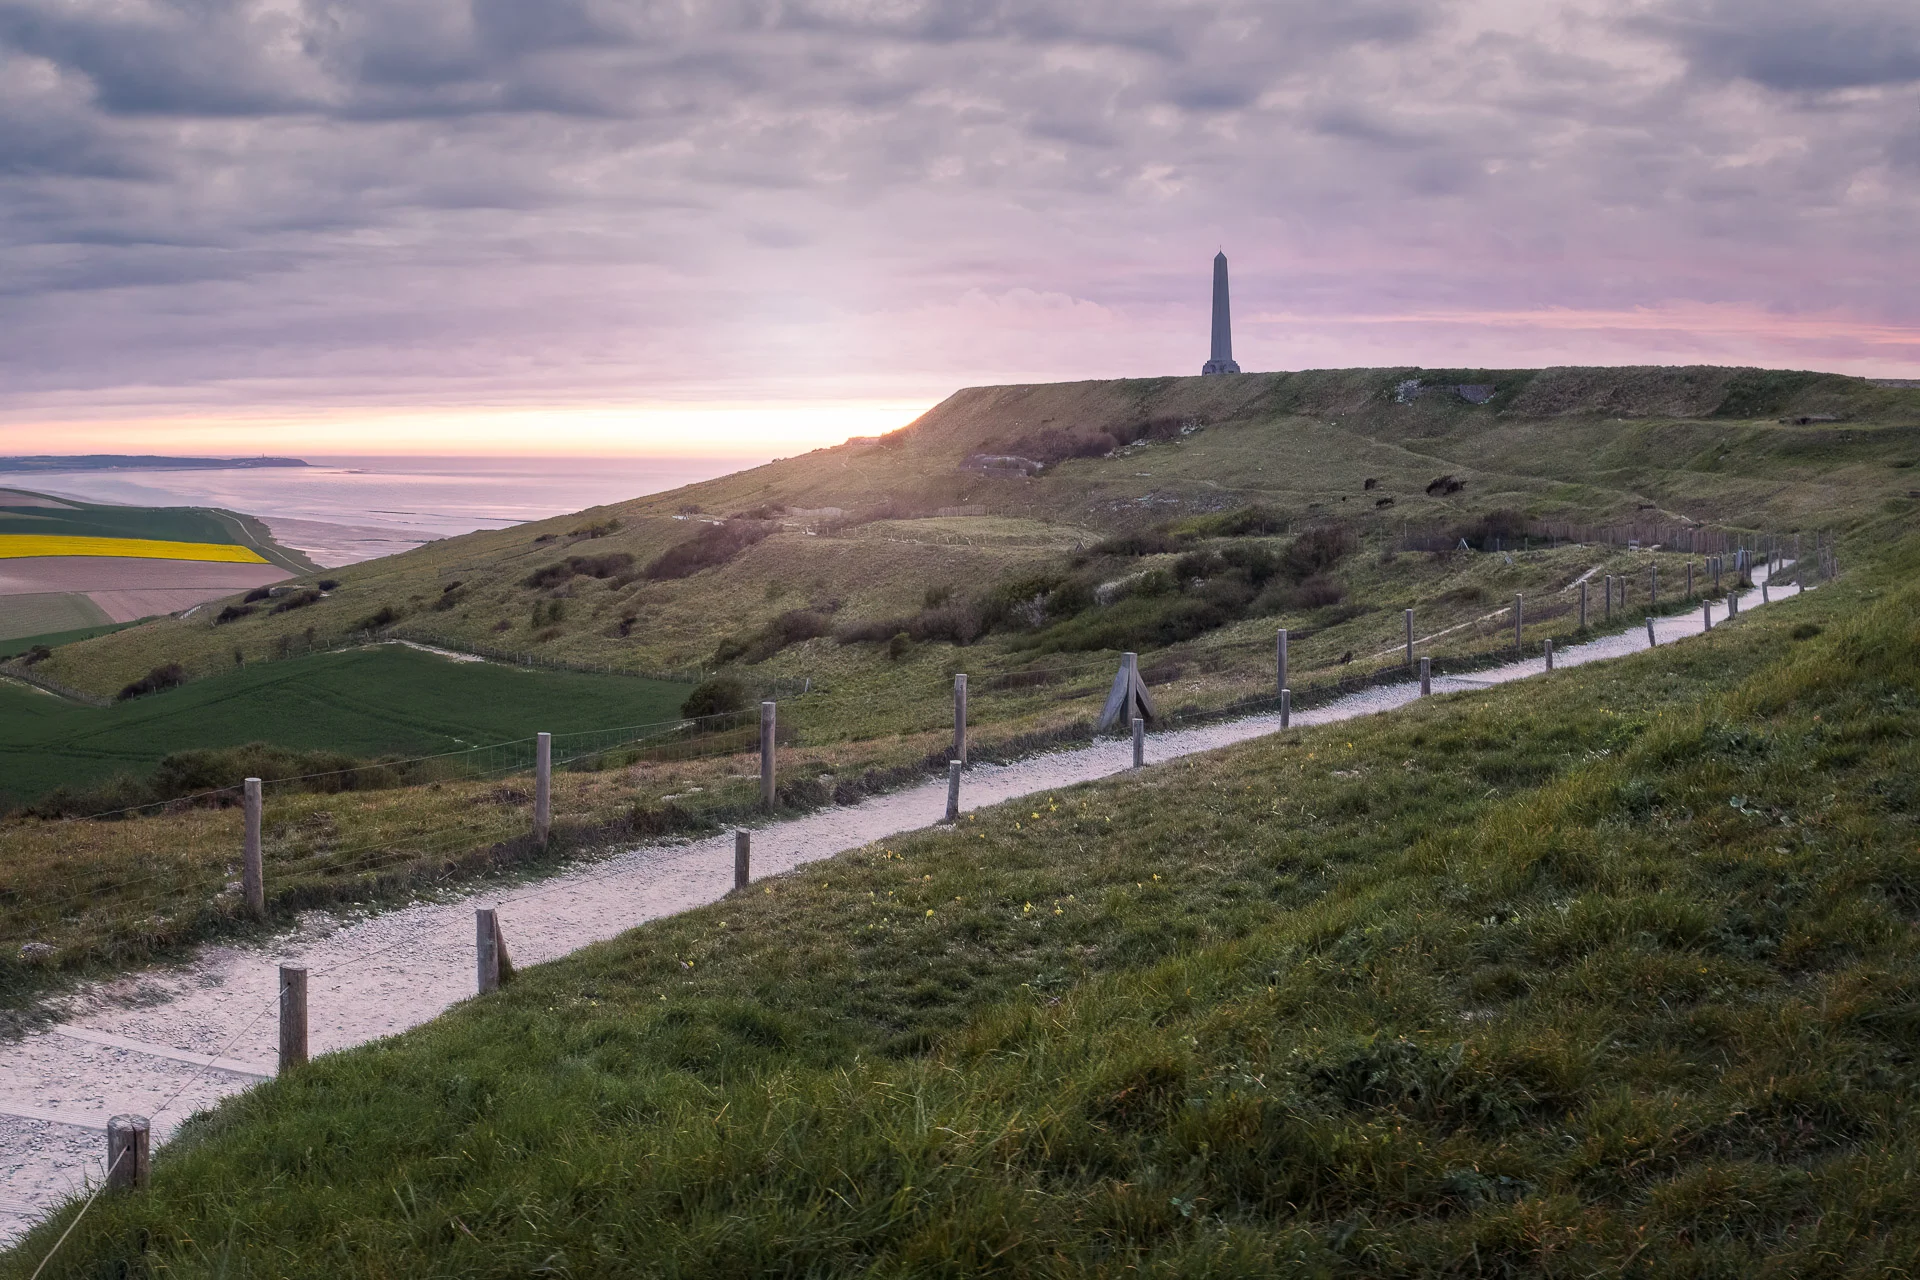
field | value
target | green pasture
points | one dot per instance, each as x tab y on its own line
97	520
378	701
43	613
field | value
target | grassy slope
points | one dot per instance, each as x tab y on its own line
383	701
1615	968
1550	444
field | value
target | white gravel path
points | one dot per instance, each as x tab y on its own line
168	1042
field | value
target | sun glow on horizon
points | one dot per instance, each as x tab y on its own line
739	430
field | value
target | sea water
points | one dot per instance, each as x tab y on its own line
342	510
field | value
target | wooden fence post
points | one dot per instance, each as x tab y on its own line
960	718
953	791
1609	609
253	878
1689	579
1139	743
293	1017
742	858
486	950
1519	618
1409	639
1549	655
1286	708
1426	676
1706	615
127	1153
766	754
1650	640
1280	659
1653	586
1583	606
542	788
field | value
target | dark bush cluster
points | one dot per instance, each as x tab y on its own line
298	600
1503	527
791	627
717	696
609	565
1049	445
170	676
233	613
1441	486
598	529
1150	542
385	616
256	595
715	544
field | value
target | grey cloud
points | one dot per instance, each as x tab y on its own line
1796	46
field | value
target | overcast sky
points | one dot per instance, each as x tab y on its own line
305	210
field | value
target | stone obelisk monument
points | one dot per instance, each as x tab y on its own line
1222	360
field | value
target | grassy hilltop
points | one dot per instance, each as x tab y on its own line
1617	971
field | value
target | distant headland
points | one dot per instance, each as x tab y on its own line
138	462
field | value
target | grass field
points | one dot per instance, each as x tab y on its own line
385	700
18	645
47	613
1612	973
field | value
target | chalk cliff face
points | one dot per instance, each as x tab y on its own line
1221	359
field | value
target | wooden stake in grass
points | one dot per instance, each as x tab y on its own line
542	788
1653	586
1650	640
1583	606
766	754
1280	659
1609	610
1519	618
1706	615
743	857
127	1152
1426	676
293	1017
960	717
1286	708
1139	743
253	879
1549	645
953	791
1409	639
1689	579
490	951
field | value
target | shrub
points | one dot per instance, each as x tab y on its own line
298	600
598	529
899	646
385	616
714	545
1441	486
233	613
716	696
328	584
40	653
1503	525
1316	551
256	595
1151	542
170	676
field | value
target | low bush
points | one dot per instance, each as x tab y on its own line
169	676
298	600
714	545
605	565
233	613
385	616
1149	542
256	595
716	696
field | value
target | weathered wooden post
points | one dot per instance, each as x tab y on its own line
953	791
1765	598
1653	586
1733	602
1706	615
1689	579
1650	640
1583	606
253	878
127	1153
1519	618
486	950
542	788
1286	708
1139	743
1426	676
1609	609
766	754
1280	659
743	857
293	1017
1409	639
1549	645
960	718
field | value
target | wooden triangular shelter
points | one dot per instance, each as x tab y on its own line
1128	698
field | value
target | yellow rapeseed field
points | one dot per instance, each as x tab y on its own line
15	545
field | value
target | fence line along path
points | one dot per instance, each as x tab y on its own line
169	1042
